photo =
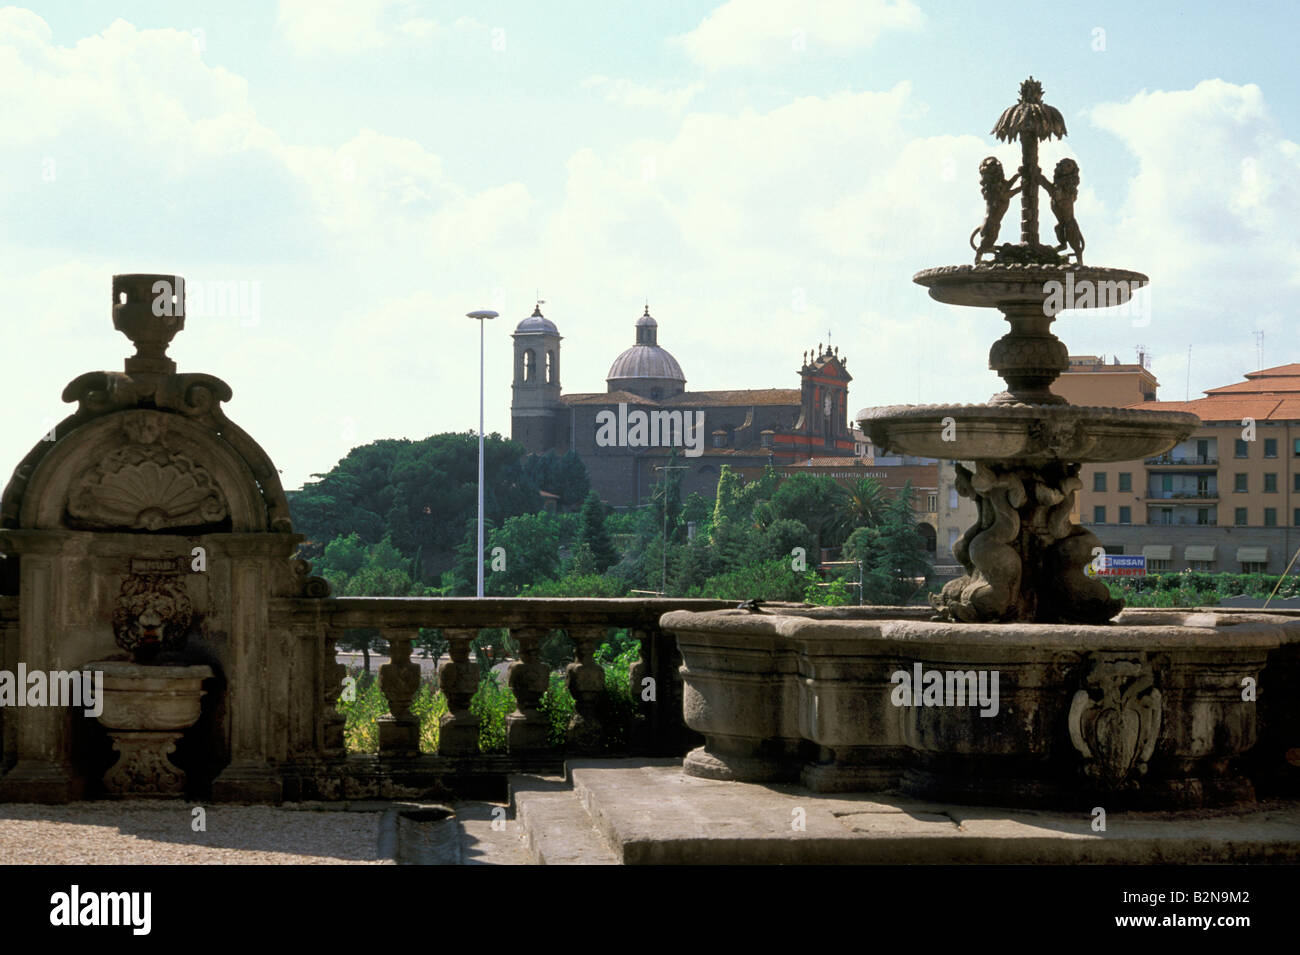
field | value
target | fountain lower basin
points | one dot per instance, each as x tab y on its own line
1161	710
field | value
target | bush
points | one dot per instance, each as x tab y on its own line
492	704
360	731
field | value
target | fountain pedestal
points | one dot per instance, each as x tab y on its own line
146	712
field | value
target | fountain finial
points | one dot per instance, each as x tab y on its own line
1029	120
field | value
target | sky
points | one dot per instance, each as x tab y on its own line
768	175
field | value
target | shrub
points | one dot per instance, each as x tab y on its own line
493	703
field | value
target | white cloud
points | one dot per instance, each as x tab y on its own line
1210	216
745	33
319	27
625	92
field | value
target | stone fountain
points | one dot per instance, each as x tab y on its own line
1024	684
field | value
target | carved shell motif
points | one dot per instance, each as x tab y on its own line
146	487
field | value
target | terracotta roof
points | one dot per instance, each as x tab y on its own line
607	398
1260	386
692	399
846	461
1283	371
1229	408
755	396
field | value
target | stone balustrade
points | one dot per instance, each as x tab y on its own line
399	768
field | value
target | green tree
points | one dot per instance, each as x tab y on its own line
781	537
894	552
531	545
766	580
815	501
594	535
864	505
379	570
419	493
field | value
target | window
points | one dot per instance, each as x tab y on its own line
1239	483
1203	515
932	502
1125	481
550	368
1251	567
1240	449
1203	565
1157	566
1270	447
719	439
1166	484
1099	515
1099	481
952	498
530	365
1239	517
1296	521
1270	517
1270	483
1296	452
1126	515
1297	482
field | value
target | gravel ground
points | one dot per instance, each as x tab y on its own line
160	832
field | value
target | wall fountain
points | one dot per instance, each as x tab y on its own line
1025	684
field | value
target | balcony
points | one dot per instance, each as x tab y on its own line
1182	461
1191	496
1166	522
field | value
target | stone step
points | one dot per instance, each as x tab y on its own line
649	812
556	828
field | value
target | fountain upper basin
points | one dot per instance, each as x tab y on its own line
990	286
1030	434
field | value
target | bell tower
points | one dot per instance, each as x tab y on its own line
535	402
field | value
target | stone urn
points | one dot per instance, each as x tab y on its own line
146	709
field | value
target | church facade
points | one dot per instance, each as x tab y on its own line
628	433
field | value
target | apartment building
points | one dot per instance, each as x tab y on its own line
1225	499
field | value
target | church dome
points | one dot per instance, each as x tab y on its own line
645	359
537	323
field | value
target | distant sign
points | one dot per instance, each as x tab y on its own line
1118	565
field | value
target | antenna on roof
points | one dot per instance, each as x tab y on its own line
1187	393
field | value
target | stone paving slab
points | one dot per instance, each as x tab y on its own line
159	832
649	812
489	836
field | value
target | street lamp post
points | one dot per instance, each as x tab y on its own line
480	316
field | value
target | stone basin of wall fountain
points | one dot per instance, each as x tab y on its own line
1074	701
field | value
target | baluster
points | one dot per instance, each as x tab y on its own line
526	727
585	679
332	721
399	732
645	731
458	678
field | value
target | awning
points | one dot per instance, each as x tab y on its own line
1199	552
1157	551
1252	555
